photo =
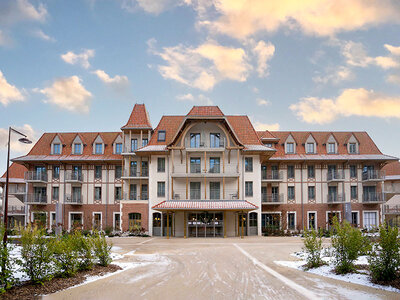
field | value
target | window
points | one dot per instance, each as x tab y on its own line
370	219
97	221
214	190
118	172
290	171
145	168
161	164
53	220
353	171
248	164
331	148
132	192
311	192
76	221
40	219
97	193
55	193
268	145
253	219
195	191
118	148
291	221
289	147
56	172
56	149
290	190
134	144
194	140
135	220
214	165
133	169
76	194
352	148
97	172
118	193
353	190
215	140
263	172
77	148
117	221
310	148
311	171
249	188
145	142
161	189
354	218
195	165
312	220
270	222
144	194
99	148
161	136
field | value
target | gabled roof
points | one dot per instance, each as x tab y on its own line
139	118
205	111
392	169
266	135
16	172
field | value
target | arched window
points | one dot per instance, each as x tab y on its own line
135	220
157	219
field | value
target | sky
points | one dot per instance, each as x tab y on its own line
289	65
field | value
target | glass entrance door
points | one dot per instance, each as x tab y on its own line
205	224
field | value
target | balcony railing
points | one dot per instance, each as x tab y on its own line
16	189
335	198
72	176
136	196
181	194
373	175
33	176
205	144
391	209
16	210
335	176
73	199
271	198
272	175
372	198
136	173
36	199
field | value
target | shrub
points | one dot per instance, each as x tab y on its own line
102	249
37	254
348	244
384	259
66	255
313	248
84	248
6	274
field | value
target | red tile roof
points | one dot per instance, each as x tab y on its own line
170	124
244	130
205	205
266	135
16	171
139	118
205	111
392	168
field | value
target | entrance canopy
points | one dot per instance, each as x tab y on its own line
219	205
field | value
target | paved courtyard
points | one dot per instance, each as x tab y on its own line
230	268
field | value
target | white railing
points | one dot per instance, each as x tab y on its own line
372	197
271	175
74	176
335	175
373	175
73	199
36	199
36	176
271	198
180	194
335	198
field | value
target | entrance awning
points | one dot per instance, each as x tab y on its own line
205	205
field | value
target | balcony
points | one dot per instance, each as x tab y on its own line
373	176
181	194
36	199
16	189
372	198
391	209
214	172
128	150
16	210
335	176
73	177
32	176
272	199
335	198
204	146
132	174
273	176
136	196
74	199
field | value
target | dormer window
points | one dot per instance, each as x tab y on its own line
352	148
194	140
290	148
118	148
77	148
56	149
161	136
215	140
98	148
310	148
145	142
134	144
331	148
268	145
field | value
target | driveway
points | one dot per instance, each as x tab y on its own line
214	268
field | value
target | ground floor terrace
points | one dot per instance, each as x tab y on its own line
209	268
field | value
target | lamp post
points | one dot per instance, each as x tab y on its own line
24	140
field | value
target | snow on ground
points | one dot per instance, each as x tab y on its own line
327	270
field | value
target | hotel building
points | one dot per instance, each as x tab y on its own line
203	174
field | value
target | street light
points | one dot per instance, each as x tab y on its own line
23	140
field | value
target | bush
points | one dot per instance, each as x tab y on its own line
313	248
37	254
102	249
84	248
66	255
348	244
384	259
6	274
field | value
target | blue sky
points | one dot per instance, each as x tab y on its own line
289	65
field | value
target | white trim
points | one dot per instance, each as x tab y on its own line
295	220
332	211
371	211
120	219
273	212
308	219
101	219
69	218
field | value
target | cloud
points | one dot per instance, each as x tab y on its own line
82	58
151	6
393	49
263	102
17	146
200	99
393	79
204	66
118	81
68	93
4	40
8	92
335	75
41	35
244	18
259	126
14	11
263	52
351	102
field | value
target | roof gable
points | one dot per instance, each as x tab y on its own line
205	111
139	118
